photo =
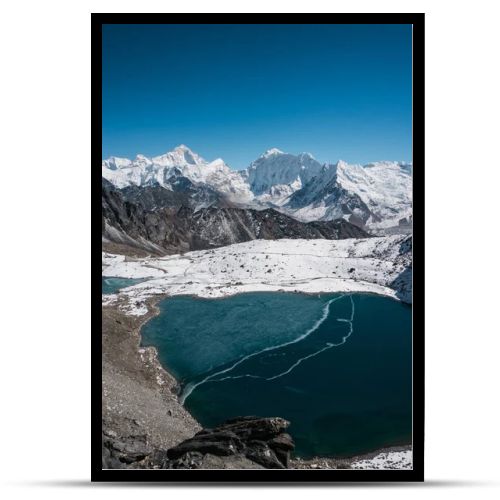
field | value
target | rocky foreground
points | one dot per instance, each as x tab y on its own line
239	443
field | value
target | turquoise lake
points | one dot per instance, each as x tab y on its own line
112	285
339	367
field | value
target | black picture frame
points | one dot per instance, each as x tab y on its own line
253	477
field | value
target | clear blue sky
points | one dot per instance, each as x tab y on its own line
233	91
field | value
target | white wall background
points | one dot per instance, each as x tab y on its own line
45	250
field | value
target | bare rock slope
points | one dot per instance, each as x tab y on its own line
161	221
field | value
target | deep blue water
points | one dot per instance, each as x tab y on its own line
112	285
337	366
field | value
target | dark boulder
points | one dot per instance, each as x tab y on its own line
216	443
261	441
282	445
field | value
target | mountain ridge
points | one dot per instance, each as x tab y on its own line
377	195
171	225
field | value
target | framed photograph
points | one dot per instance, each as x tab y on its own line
261	229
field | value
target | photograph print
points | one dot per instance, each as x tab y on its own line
259	315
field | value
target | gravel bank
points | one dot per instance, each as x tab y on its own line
138	395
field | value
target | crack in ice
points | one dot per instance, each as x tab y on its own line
326	310
328	345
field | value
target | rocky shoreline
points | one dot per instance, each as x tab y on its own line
138	394
142	417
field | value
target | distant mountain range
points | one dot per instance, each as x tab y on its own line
377	195
179	201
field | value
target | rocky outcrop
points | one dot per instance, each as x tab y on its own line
239	443
262	441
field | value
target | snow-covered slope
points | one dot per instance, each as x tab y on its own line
385	187
376	265
378	195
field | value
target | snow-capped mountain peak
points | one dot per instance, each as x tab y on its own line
141	160
181	162
116	163
179	156
272	152
377	194
275	175
306	155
